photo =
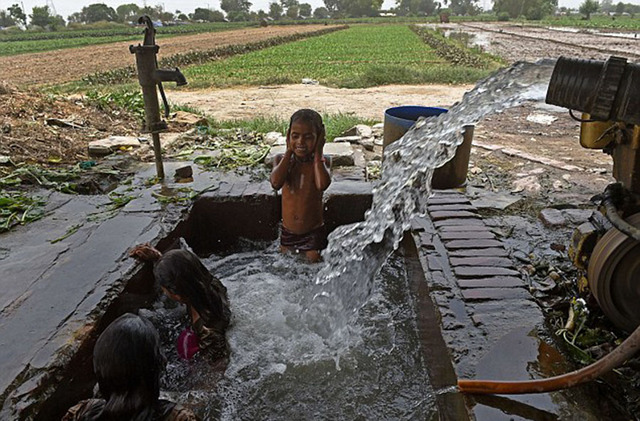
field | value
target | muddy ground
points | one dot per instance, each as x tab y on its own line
529	155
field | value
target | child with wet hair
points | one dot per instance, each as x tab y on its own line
183	278
303	174
128	362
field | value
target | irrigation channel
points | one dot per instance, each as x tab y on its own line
337	340
344	346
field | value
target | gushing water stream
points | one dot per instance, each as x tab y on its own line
344	346
357	251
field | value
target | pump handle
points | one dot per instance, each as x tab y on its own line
149	31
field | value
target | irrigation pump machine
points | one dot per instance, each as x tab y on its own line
608	95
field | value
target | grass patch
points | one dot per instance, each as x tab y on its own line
335	124
358	57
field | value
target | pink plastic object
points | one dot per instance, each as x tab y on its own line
187	344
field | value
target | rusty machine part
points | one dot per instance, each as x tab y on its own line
150	78
608	93
614	276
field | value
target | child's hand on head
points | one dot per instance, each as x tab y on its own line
320	143
289	143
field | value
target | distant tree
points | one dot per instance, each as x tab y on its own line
239	16
531	9
305	10
359	8
15	11
182	17
41	16
620	7
235	6
207	15
293	12
606	6
127	12
589	7
98	12
5	19
321	13
261	14
275	11
332	6
56	22
465	7
416	7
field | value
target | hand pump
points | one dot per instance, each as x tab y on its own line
149	77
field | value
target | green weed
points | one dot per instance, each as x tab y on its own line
122	99
17	208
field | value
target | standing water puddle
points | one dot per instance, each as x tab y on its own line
338	340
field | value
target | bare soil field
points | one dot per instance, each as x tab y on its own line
284	100
531	43
66	65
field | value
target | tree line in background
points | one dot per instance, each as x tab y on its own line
239	10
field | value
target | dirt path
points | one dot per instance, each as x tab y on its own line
282	101
72	64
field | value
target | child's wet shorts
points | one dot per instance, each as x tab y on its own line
313	240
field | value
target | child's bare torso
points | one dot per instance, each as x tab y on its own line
301	199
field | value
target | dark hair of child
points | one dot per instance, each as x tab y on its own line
182	273
310	116
128	362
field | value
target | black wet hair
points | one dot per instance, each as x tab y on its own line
310	116
182	273
128	362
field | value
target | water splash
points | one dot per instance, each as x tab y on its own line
357	251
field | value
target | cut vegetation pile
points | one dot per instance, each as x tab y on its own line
40	128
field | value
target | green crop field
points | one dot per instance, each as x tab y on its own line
361	56
21	47
601	22
31	42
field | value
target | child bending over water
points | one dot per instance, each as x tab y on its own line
128	362
184	279
303	174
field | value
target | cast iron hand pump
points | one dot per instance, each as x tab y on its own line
151	77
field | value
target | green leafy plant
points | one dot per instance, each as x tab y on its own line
17	208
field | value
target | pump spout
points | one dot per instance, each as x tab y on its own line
167	75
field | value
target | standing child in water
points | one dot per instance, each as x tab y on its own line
303	174
184	279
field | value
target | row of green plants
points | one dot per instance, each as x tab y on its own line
359	57
595	22
454	52
125	74
121	30
23	47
